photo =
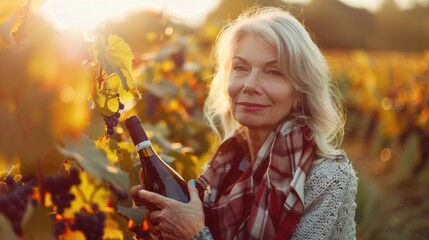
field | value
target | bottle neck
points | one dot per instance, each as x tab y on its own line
145	148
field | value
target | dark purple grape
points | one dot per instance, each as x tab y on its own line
90	224
59	186
112	121
110	131
14	201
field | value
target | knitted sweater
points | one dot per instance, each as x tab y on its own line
329	201
330	192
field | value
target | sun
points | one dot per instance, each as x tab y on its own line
81	14
88	14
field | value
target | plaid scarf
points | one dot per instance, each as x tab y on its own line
266	201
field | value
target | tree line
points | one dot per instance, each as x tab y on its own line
336	25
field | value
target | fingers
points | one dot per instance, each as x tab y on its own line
154	198
134	192
193	192
155	231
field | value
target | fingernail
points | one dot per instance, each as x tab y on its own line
193	183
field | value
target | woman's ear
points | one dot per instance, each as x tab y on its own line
297	104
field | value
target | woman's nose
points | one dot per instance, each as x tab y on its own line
251	85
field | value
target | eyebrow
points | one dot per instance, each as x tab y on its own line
273	62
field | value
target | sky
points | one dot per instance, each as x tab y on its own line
87	14
371	5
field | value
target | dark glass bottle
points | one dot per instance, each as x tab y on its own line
158	176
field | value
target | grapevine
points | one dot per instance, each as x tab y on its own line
14	199
59	187
91	223
112	121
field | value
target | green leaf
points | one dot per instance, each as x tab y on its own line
95	161
96	126
37	224
6	231
135	214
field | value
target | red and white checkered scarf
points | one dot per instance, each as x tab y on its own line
268	208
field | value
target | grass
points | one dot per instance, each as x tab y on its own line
392	200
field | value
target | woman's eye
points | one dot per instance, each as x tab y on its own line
239	68
274	72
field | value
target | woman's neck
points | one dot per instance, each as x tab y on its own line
256	139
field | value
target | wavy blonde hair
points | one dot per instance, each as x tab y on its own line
300	60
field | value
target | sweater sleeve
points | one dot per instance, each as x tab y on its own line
330	206
204	234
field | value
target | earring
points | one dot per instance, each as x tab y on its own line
296	105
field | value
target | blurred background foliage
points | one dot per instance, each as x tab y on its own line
379	61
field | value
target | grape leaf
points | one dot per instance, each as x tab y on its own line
37	224
95	161
106	100
9	8
6	231
135	214
115	227
96	126
74	235
116	59
89	191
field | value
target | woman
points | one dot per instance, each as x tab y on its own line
278	173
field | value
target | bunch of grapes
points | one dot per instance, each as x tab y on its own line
14	198
91	224
59	187
112	121
59	227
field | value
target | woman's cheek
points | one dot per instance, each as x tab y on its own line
233	88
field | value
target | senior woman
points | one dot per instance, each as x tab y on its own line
279	172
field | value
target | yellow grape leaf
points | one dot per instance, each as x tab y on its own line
120	52
9	8
89	191
114	82
116	59
112	230
126	95
73	235
107	101
110	146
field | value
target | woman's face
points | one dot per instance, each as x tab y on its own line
261	96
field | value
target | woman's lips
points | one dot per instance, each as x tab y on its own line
251	107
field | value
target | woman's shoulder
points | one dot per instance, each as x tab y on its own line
331	175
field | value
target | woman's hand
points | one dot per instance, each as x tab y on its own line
175	220
134	192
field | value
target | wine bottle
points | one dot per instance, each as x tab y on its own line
158	176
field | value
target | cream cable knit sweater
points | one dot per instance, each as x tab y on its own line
330	192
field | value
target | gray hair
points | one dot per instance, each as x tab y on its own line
301	61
